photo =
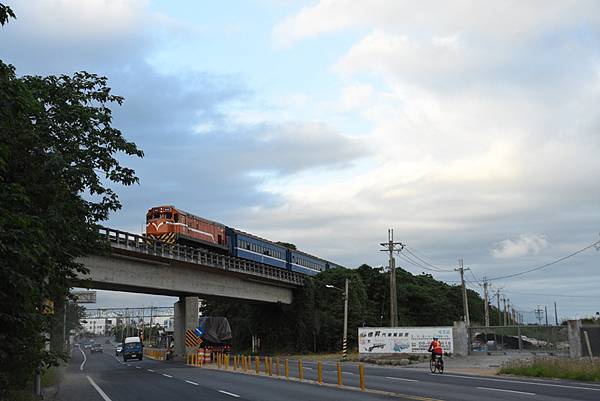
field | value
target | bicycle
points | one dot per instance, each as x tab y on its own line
436	363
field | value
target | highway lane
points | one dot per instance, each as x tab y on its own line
453	386
149	380
102	377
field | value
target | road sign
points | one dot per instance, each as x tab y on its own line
191	339
199	332
85	297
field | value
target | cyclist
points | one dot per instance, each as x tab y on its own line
435	347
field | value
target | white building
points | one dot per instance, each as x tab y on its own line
99	326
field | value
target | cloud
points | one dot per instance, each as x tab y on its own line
525	244
504	21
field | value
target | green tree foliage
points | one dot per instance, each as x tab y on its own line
314	321
57	157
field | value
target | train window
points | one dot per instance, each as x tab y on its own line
266	251
169	216
219	239
157	215
175	217
148	217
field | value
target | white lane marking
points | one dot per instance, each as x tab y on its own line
307	368
506	391
401	378
150	370
228	393
166	375
138	367
84	358
195	384
520	382
348	373
98	389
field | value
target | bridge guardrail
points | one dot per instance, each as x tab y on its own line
139	243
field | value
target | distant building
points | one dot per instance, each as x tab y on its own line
99	326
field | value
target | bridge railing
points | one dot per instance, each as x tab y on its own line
141	244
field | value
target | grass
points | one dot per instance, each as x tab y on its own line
560	368
352	356
52	376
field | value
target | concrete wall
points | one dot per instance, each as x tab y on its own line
574	327
174	278
460	336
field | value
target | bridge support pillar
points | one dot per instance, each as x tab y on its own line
186	318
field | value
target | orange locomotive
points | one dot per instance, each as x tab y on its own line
171	225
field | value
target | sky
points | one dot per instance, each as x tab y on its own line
470	128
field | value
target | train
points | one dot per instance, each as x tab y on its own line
175	226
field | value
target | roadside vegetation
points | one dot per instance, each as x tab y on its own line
560	368
314	321
60	157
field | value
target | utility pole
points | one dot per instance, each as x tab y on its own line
538	315
546	313
461	269
345	339
504	319
392	247
498	306
486	302
555	314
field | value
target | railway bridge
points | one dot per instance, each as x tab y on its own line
135	264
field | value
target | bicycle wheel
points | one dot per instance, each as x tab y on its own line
441	366
432	365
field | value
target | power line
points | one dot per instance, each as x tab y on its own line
441	269
593	245
408	259
552	295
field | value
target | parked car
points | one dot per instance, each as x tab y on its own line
87	346
119	350
96	348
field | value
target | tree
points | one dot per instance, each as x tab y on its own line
58	155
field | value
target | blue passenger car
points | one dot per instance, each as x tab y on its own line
247	246
306	264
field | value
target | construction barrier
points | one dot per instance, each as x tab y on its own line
244	363
159	354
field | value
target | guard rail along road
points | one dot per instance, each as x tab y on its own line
144	245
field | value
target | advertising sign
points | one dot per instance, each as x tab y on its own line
406	340
85	297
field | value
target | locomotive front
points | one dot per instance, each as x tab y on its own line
159	223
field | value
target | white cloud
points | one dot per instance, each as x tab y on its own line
525	244
503	20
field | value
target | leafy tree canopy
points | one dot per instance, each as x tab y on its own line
58	156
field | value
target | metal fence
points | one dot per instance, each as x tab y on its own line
551	340
140	244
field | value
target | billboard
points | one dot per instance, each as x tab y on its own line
405	340
85	297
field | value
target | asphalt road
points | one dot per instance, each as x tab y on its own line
103	377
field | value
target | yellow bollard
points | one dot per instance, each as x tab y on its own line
218	361
235	362
361	372
226	362
270	366
277	366
266	363
300	371
339	372
286	369
319	372
257	364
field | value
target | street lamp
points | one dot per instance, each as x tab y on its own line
345	339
